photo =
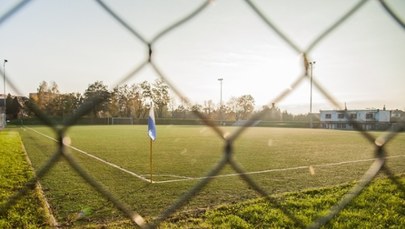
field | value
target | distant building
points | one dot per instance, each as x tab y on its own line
397	116
369	119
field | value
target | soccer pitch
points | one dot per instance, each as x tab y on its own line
277	159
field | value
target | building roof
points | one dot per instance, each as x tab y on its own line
369	110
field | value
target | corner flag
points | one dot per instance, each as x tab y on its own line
151	124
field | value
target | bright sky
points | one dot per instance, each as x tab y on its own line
75	43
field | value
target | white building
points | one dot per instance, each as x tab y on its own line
373	119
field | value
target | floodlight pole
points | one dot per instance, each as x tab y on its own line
5	97
220	99
311	64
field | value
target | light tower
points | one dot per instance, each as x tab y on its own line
5	97
311	65
220	99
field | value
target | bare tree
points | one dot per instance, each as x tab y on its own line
245	106
160	96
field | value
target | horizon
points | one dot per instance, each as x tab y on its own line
282	109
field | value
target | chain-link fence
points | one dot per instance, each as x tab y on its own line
378	166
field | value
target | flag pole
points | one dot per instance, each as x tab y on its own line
150	161
152	136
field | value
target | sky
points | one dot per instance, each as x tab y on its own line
75	43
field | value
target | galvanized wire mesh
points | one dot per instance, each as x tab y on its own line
228	140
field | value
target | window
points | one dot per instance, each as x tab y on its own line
353	116
341	116
369	115
328	116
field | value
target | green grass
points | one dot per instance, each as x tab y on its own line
381	205
28	211
192	151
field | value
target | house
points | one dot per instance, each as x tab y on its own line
368	119
397	116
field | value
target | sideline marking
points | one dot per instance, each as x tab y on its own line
94	157
44	201
275	170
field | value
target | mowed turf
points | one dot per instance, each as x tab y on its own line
279	160
26	211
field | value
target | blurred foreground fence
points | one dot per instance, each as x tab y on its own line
379	142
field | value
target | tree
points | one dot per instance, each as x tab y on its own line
54	106
180	112
196	108
70	103
160	96
158	92
126	101
134	102
45	96
208	108
231	109
98	96
54	89
146	92
13	107
230	114
172	105
286	116
272	113
118	101
64	104
42	95
48	98
301	117
245	106
232	104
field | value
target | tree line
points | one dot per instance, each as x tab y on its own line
134	101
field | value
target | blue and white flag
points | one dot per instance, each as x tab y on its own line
151	124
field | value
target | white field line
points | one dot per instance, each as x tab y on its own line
275	170
168	175
183	178
94	157
44	201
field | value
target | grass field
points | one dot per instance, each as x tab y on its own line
380	205
28	211
279	160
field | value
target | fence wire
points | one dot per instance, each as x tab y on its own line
378	143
